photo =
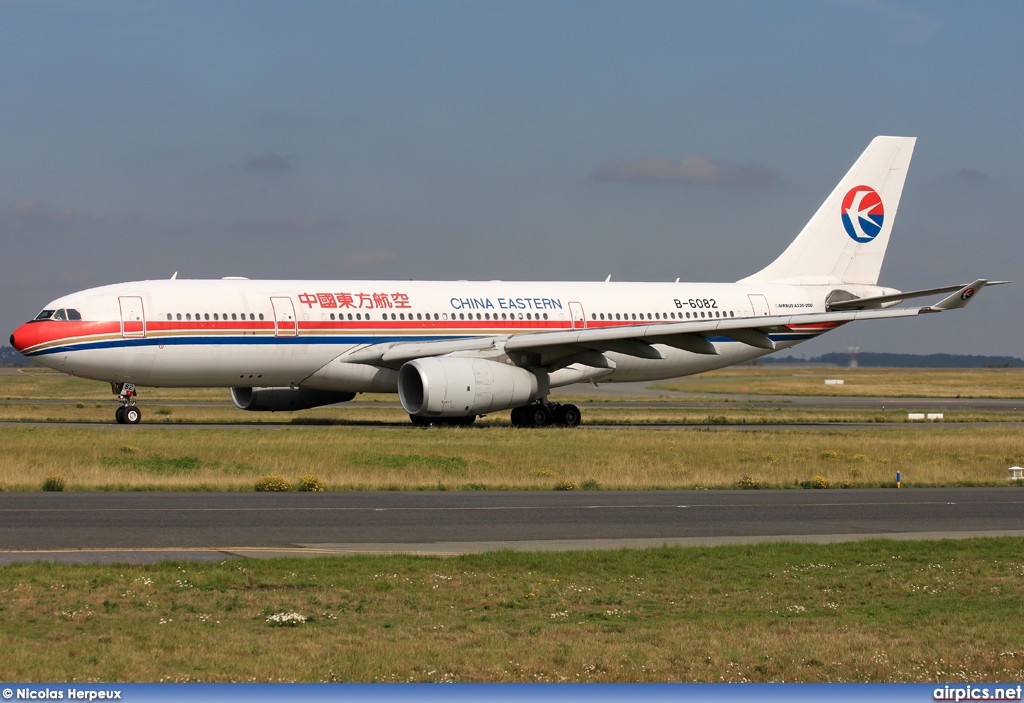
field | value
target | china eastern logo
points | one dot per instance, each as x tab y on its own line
863	214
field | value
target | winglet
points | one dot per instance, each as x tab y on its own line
958	299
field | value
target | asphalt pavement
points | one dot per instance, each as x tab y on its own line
154	526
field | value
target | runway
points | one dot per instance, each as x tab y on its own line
147	527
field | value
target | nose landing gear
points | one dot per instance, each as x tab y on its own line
128	413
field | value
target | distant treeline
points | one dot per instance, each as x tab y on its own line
9	357
916	361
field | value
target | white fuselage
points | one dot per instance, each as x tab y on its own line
284	333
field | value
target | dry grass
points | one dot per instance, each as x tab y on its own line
389	413
365	458
883	382
870	611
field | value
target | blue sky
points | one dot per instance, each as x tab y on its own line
450	140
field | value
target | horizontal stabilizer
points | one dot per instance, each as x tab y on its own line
876	301
959	299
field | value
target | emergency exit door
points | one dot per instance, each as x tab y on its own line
579	319
133	318
285	324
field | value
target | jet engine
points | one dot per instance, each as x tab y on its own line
275	399
458	387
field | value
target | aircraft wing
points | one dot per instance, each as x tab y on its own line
586	345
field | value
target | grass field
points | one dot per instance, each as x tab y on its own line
885	382
345	414
400	458
868	611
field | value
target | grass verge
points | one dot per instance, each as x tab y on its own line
882	382
502	458
867	611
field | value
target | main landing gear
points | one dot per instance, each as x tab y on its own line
128	413
545	414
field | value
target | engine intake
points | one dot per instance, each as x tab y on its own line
277	399
457	387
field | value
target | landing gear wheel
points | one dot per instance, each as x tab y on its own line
132	415
418	421
464	421
568	415
536	415
119	414
518	417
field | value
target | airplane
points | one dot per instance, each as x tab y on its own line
454	351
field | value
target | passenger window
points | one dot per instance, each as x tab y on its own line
392	316
234	316
261	316
545	316
349	316
419	316
435	315
444	316
207	316
332	315
252	316
732	314
179	315
402	315
188	316
168	316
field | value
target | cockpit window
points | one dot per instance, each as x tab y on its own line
44	315
74	314
59	315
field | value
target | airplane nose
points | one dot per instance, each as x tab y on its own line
23	337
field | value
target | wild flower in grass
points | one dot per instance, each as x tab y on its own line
819	482
560	614
128	449
830	455
796	608
748	483
312	483
567	486
283	619
272	483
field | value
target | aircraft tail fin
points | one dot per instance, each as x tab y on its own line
846	239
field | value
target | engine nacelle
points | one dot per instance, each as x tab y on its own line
275	399
458	386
